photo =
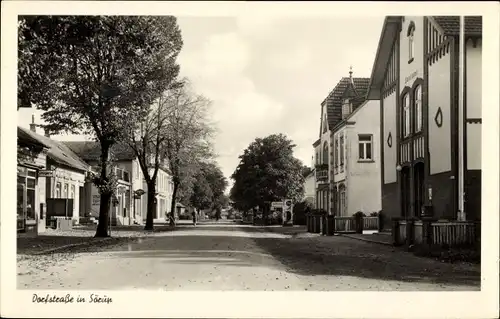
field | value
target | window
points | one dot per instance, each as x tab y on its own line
58	190
406	116
341	150
65	192
418	108
325	153
365	147
72	193
27	178
411	45
336	150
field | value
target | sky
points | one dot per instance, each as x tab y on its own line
267	76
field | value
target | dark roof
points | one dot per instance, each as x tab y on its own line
451	24
27	137
58	152
358	86
91	151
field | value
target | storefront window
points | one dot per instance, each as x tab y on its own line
26	188
58	190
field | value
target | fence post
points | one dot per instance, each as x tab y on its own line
395	232
410	231
380	222
427	231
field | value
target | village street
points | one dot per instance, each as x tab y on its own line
238	257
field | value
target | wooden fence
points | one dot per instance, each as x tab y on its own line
440	233
330	224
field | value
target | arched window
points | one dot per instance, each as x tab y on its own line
325	153
405	116
417	96
411	46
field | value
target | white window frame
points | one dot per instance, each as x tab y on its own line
406	115
58	190
364	143
411	45
418	108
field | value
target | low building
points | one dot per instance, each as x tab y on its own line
31	160
130	204
65	177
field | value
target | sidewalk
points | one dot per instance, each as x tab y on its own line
378	238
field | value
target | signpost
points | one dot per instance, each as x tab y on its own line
276	204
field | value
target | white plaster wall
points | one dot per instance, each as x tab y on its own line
410	71
390	155
439	96
66	176
474	78
474	103
364	187
473	146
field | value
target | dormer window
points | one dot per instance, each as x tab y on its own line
411	44
346	108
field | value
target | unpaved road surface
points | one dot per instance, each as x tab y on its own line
232	257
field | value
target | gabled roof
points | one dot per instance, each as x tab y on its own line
27	137
58	152
91	151
451	24
333	102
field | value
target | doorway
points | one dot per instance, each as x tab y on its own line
419	188
405	192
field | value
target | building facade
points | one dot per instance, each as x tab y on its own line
310	188
331	149
415	77
356	172
31	160
130	203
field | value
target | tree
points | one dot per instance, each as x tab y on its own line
209	187
267	172
94	75
187	137
306	170
201	196
147	138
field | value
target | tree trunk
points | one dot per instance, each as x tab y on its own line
102	226
151	206
174	196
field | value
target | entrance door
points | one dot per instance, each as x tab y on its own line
405	192
419	189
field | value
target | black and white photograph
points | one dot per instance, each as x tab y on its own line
167	151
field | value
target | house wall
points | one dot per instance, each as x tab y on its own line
390	139
411	71
72	178
40	189
473	128
310	188
364	189
440	99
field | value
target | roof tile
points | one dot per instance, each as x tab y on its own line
451	24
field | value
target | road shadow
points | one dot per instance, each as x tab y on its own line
318	256
348	257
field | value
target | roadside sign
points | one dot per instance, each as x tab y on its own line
45	173
277	204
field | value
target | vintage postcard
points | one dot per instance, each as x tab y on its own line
249	159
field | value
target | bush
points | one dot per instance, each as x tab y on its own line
299	212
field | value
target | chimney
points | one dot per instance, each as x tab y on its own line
47	132
33	125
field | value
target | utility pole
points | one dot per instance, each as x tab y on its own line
461	82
